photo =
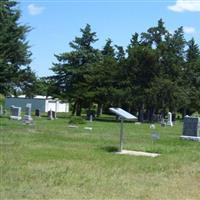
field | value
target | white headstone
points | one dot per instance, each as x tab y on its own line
152	126
91	118
169	119
27	117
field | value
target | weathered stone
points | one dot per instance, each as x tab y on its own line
15	113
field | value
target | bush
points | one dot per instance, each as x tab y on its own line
76	120
2	99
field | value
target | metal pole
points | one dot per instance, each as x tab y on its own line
121	135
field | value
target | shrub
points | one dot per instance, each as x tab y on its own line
76	120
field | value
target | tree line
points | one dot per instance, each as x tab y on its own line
157	72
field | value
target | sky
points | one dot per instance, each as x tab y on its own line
56	23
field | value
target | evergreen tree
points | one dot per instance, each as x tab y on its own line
14	49
72	72
191	78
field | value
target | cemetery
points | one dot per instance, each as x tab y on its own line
108	115
55	159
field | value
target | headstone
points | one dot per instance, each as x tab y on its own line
152	126
155	136
37	113
91	118
191	128
1	110
50	115
15	113
169	119
27	117
162	122
54	114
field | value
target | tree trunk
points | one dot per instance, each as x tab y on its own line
78	109
99	109
151	114
183	113
141	113
74	108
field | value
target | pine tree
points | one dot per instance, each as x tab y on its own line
72	72
14	49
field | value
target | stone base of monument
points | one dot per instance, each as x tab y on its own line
137	153
190	138
16	117
27	119
169	123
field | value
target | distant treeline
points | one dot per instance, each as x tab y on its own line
157	72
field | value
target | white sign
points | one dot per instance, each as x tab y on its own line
122	113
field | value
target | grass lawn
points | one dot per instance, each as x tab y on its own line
49	160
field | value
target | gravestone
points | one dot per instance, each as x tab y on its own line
155	136
191	128
50	115
169	119
1	110
15	113
91	118
163	122
27	117
37	113
54	114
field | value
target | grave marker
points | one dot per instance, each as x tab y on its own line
50	115
37	113
15	113
191	128
169	119
27	117
54	114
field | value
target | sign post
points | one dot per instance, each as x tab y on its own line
121	135
123	116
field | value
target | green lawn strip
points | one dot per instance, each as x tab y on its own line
49	160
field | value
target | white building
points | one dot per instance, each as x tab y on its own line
43	103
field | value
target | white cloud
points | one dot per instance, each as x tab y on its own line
35	10
186	5
189	30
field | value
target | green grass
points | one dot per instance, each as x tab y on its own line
49	160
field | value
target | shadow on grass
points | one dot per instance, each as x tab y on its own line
105	120
110	149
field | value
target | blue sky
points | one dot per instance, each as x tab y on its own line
56	23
